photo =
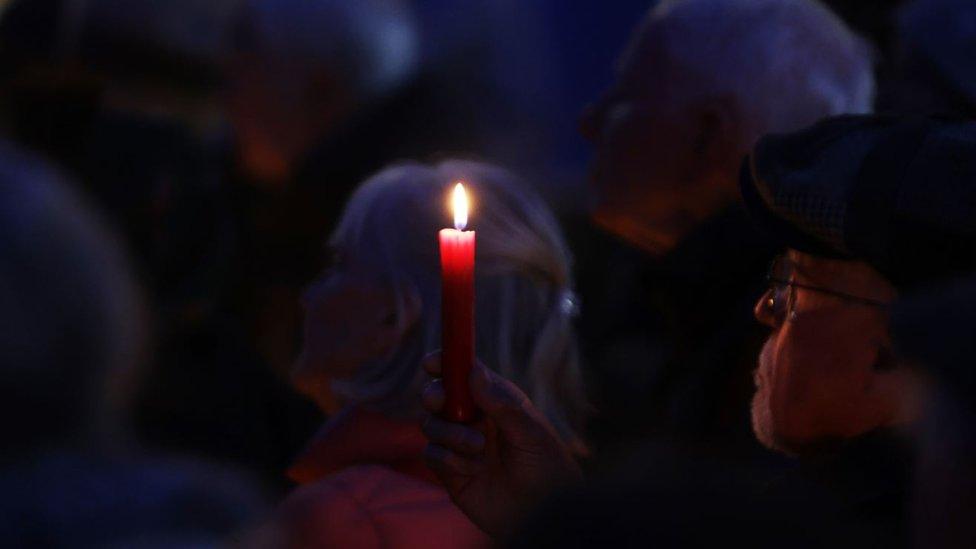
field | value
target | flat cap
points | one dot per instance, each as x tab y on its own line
897	193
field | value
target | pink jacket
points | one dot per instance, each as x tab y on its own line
364	484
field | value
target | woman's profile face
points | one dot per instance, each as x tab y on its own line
350	318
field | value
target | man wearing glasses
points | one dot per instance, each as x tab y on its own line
826	373
870	209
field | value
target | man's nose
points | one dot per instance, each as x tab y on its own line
763	310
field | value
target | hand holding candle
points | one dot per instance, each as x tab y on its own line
457	311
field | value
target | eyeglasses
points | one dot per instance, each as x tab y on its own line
780	298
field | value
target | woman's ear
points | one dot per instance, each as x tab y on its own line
400	318
410	309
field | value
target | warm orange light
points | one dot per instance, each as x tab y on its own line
460	202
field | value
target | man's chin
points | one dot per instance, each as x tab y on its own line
301	376
761	412
764	427
636	233
762	421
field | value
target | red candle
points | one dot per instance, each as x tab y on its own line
457	311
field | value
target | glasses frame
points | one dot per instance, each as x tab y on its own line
778	284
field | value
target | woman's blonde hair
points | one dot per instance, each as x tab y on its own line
523	283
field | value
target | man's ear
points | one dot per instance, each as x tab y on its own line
895	381
717	142
906	391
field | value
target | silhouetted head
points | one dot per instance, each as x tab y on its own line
699	83
71	318
302	68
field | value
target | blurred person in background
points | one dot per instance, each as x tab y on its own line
323	94
933	66
147	144
934	330
668	330
305	81
373	316
168	113
870	208
73	336
126	95
302	70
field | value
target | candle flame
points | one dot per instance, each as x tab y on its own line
460	207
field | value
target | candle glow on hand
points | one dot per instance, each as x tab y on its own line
460	202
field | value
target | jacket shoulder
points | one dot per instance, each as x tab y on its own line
326	514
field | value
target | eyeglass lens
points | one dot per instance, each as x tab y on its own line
780	299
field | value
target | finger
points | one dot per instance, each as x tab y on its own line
454	436
432	364
447	464
510	409
494	394
433	397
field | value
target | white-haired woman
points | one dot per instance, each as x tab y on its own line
373	316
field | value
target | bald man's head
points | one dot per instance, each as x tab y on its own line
700	81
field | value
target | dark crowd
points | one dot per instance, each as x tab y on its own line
725	276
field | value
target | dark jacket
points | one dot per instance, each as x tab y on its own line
670	343
670	497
